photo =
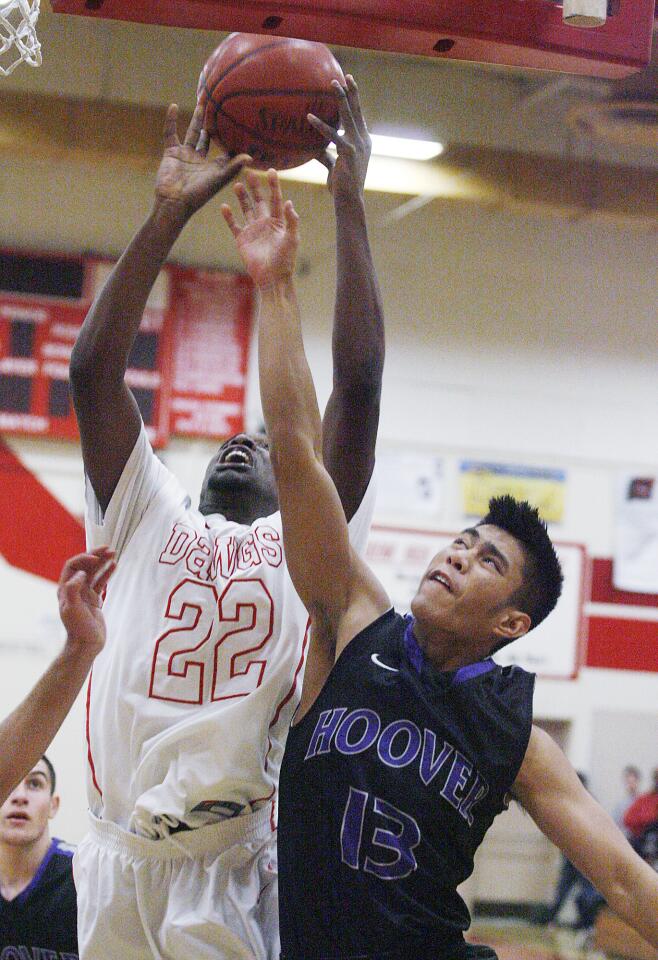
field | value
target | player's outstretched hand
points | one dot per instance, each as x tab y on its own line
188	177
347	171
79	592
268	237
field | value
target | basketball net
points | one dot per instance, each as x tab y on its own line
18	36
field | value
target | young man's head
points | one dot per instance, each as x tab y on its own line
25	813
631	777
239	481
494	583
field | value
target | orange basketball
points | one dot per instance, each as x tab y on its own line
257	90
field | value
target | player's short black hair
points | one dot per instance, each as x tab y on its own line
51	773
542	581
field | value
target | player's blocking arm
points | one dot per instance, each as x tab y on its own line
107	414
548	788
26	733
325	570
351	417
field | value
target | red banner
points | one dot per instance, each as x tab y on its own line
213	323
187	369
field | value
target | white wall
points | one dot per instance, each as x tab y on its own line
517	339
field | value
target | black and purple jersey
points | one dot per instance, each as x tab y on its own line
388	786
41	922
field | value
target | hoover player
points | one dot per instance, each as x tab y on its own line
191	701
408	737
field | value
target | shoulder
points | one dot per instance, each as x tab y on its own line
61	861
513	680
492	687
63	848
55	875
544	764
383	635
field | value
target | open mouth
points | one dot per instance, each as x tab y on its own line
437	577
237	458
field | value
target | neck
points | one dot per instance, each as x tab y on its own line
18	864
241	510
443	649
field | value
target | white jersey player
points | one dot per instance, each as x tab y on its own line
190	703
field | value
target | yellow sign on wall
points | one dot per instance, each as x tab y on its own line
543	488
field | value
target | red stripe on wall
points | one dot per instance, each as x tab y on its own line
37	533
604	592
622	644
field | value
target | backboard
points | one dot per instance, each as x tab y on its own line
519	33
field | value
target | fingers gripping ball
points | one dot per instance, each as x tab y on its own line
256	92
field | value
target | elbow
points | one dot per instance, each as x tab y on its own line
80	370
79	366
83	372
620	884
84	360
291	450
360	372
91	375
362	393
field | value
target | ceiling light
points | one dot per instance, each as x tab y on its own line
391	175
404	147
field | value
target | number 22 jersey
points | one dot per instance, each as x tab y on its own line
190	701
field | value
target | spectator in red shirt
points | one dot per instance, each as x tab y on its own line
641	821
643	812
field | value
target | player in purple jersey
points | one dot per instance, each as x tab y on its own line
489	587
37	893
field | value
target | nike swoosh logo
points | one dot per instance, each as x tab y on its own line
375	659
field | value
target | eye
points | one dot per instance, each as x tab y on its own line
459	542
493	561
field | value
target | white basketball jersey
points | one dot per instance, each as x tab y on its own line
190	702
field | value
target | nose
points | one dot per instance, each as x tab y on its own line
460	560
242	440
19	796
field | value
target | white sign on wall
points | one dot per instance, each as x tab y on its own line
635	564
409	482
399	557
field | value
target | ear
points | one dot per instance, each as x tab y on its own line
512	625
54	805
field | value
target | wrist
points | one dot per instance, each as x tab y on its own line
349	201
77	655
280	283
169	215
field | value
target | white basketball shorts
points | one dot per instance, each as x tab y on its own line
196	895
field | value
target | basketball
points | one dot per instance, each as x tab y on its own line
257	91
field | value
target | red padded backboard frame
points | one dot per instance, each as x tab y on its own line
522	33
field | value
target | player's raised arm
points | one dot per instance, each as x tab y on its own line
351	417
107	414
549	789
26	733
324	569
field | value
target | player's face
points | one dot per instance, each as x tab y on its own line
239	480
464	598
25	813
